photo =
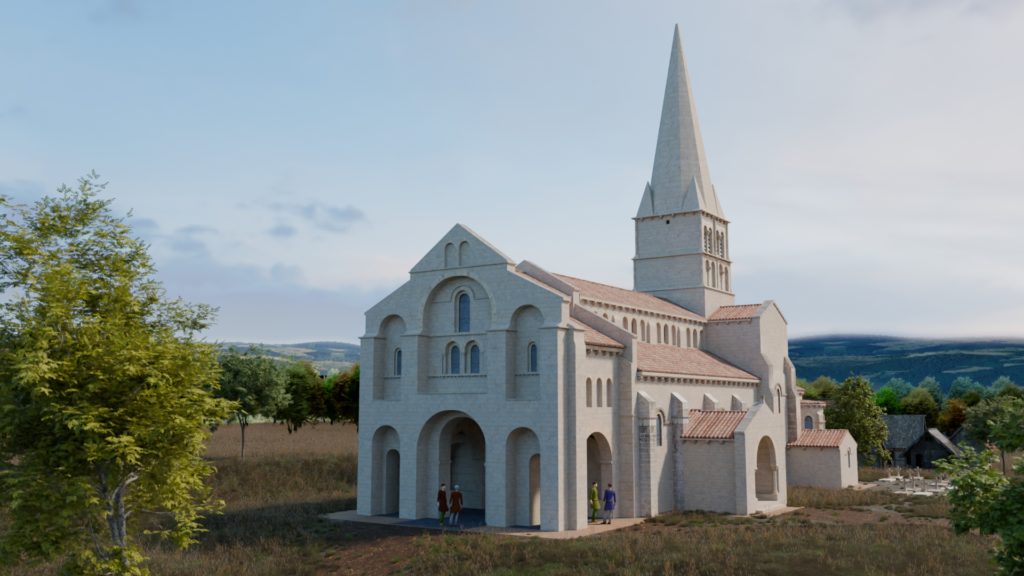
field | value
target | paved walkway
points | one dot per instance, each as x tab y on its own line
470	523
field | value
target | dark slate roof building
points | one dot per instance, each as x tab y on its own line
912	443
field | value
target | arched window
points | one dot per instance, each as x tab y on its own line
689	342
608	392
658	426
808	423
625	323
657	332
590	393
600	393
454	358
696	338
633	329
849	458
531	357
463	320
474	359
708	276
725	275
398	361
643	330
664	334
778	399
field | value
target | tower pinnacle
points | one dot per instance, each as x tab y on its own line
681	181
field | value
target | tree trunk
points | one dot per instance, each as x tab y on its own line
242	425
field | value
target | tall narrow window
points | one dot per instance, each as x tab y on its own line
659	424
608	394
633	327
398	361
657	332
808	423
590	393
463	324
454	360
600	393
689	342
474	359
664	334
531	359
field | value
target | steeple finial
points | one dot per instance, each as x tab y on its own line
680	181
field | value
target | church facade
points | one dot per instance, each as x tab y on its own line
523	386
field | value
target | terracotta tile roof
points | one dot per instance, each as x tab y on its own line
820	438
686	361
627	298
716	424
739	312
592	336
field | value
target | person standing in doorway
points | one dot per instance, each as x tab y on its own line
609	504
455	505
442	503
595	501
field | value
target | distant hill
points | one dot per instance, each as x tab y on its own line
883	357
326	356
877	357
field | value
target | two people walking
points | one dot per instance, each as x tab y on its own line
608	500
446	504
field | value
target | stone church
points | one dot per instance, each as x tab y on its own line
524	386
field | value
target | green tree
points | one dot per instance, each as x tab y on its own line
343	402
997	421
1004	386
934	388
964	385
853	408
888	400
822	388
305	404
106	395
980	497
255	383
952	416
919	401
900	386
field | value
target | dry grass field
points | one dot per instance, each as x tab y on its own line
271	526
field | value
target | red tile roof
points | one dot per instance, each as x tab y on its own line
627	298
739	312
592	336
820	438
717	424
686	361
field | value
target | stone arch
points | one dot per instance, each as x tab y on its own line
525	352
766	475
599	463
451	449
387	358
386	472
463	253
522	474
441	307
450	257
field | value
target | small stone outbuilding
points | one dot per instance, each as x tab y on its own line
823	458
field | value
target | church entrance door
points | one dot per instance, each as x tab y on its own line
463	441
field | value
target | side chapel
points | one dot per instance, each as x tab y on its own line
524	386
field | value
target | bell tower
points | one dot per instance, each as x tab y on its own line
682	236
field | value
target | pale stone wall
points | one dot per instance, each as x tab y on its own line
824	467
709	473
760	423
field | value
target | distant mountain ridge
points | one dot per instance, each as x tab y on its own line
883	357
325	356
838	356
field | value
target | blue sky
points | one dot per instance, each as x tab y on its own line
290	162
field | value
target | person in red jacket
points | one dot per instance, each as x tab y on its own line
455	505
442	503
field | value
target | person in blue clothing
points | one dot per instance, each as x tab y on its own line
609	504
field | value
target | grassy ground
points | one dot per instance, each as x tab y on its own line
271	526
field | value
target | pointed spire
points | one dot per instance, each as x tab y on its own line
681	181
